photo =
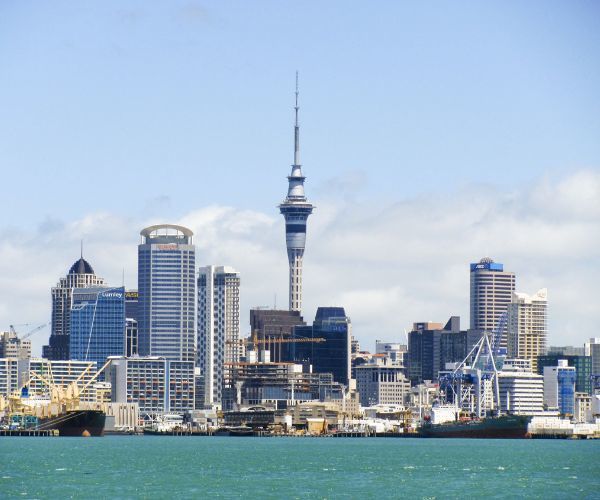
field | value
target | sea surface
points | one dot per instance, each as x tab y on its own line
248	467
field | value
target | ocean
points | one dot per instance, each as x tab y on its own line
249	467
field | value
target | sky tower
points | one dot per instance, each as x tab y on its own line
296	210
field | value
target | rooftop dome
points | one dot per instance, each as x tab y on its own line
81	266
486	260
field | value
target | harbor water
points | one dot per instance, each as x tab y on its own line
229	467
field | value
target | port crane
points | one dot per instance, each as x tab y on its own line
29	333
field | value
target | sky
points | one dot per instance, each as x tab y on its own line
432	134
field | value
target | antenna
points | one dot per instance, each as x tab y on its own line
81	243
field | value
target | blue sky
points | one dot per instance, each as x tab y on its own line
149	111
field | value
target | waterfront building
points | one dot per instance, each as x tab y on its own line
271	326
156	384
559	387
11	346
218	329
527	326
381	382
97	324
566	350
296	210
331	355
279	385
521	390
62	373
491	292
582	365
167	293
131	323
81	275
583	408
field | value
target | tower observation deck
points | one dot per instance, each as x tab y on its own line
296	210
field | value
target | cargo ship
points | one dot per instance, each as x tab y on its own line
504	427
69	423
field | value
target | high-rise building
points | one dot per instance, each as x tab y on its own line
11	346
331	355
592	349
218	328
13	372
491	292
559	387
97	324
431	347
81	275
527	326
296	210
270	326
167	293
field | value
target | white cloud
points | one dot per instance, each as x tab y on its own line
389	265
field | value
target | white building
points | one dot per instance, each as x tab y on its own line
521	391
382	383
527	326
62	373
218	329
13	372
395	351
154	383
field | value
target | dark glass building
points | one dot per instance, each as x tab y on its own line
331	355
271	325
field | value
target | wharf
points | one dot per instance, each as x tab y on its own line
29	433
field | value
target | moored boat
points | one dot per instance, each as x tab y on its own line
504	427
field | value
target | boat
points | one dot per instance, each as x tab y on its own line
76	423
503	427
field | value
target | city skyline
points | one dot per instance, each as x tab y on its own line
406	198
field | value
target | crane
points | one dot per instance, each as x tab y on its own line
30	332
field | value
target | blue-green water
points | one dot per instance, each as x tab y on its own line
199	467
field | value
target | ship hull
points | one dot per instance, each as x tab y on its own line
508	427
77	423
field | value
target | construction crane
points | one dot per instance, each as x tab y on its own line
29	333
255	341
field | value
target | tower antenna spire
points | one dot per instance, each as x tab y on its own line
81	244
296	128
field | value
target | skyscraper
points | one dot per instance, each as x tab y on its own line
296	210
97	324
491	292
527	326
167	293
218	328
81	275
333	354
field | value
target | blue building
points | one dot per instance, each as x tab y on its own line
331	355
97	324
559	387
167	293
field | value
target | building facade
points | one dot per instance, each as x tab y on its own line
97	324
491	292
167	293
528	326
382	384
332	355
582	365
296	210
81	275
218	329
131	323
559	387
521	390
271	327
156	384
62	373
